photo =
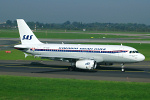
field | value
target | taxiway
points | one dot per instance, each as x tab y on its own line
138	72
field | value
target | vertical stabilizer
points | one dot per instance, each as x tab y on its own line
26	35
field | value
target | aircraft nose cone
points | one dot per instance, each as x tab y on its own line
141	57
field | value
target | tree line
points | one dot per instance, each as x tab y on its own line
80	26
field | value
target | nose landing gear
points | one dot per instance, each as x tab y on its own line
122	67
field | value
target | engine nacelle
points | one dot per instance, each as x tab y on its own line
86	64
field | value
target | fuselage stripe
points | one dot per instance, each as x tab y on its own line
89	51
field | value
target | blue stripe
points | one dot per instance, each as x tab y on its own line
57	50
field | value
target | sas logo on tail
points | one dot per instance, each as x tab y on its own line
27	37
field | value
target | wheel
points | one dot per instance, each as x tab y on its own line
122	70
122	66
70	68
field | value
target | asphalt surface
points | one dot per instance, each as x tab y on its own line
101	40
137	72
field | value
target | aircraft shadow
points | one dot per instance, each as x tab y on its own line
38	64
66	70
106	68
51	71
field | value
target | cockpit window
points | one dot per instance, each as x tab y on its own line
133	52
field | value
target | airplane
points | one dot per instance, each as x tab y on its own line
80	56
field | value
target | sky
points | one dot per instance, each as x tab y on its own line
85	11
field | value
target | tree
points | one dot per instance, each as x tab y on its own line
67	23
9	22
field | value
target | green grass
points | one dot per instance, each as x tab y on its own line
93	31
59	34
75	35
141	39
32	88
9	33
15	55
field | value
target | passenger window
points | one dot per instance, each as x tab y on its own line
136	51
133	52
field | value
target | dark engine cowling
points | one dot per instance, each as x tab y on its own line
86	64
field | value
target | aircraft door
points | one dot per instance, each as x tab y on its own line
38	50
120	53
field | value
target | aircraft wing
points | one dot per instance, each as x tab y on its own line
62	57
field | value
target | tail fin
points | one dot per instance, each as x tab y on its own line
26	35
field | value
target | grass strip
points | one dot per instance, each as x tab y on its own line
15	55
33	88
59	34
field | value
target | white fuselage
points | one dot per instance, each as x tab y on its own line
99	53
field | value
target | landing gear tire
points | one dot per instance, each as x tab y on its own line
122	67
71	68
122	70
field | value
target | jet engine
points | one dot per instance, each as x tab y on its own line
86	64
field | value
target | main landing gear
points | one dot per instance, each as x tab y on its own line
72	67
122	67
